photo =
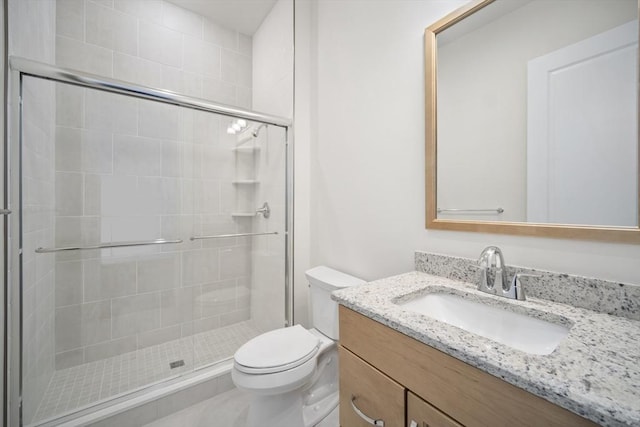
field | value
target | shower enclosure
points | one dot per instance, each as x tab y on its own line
150	237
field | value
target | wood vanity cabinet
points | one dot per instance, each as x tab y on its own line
398	379
425	415
376	394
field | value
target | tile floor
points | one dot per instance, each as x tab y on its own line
228	409
80	386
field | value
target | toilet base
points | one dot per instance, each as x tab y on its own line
331	420
283	410
322	413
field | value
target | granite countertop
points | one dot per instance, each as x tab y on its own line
594	371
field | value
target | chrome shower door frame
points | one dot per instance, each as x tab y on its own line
20	67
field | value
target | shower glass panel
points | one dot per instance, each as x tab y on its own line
154	241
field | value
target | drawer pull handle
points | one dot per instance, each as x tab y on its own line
361	414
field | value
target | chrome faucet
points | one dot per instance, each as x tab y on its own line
492	270
493	276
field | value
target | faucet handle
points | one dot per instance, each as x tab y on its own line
516	290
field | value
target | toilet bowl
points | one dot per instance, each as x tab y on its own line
291	374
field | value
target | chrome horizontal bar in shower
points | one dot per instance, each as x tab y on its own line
496	210
223	236
50	72
109	245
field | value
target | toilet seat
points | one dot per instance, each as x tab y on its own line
277	351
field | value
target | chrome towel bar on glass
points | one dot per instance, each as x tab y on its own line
147	243
109	245
223	236
496	210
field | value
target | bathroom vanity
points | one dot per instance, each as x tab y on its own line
440	390
407	369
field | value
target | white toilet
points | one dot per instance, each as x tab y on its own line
292	373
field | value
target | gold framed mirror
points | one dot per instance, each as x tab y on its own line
532	119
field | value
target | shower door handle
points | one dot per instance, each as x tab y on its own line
5	211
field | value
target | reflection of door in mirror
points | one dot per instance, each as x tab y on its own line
582	99
483	124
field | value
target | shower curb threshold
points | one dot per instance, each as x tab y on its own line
143	406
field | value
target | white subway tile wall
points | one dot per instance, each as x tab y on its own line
155	43
34	38
130	169
100	167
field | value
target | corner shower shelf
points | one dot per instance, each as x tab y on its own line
242	149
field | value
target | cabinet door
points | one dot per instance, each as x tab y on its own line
422	414
366	393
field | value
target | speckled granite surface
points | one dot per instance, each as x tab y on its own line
615	298
594	372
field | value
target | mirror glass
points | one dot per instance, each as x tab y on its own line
537	113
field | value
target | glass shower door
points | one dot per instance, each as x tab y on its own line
154	242
106	301
249	235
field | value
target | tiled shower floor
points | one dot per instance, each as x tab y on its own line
79	386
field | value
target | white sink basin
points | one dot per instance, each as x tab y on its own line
515	330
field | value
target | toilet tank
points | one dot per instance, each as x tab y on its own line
324	311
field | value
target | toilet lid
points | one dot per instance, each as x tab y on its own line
277	350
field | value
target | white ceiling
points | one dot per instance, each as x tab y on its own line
242	15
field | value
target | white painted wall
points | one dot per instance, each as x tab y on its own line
366	93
